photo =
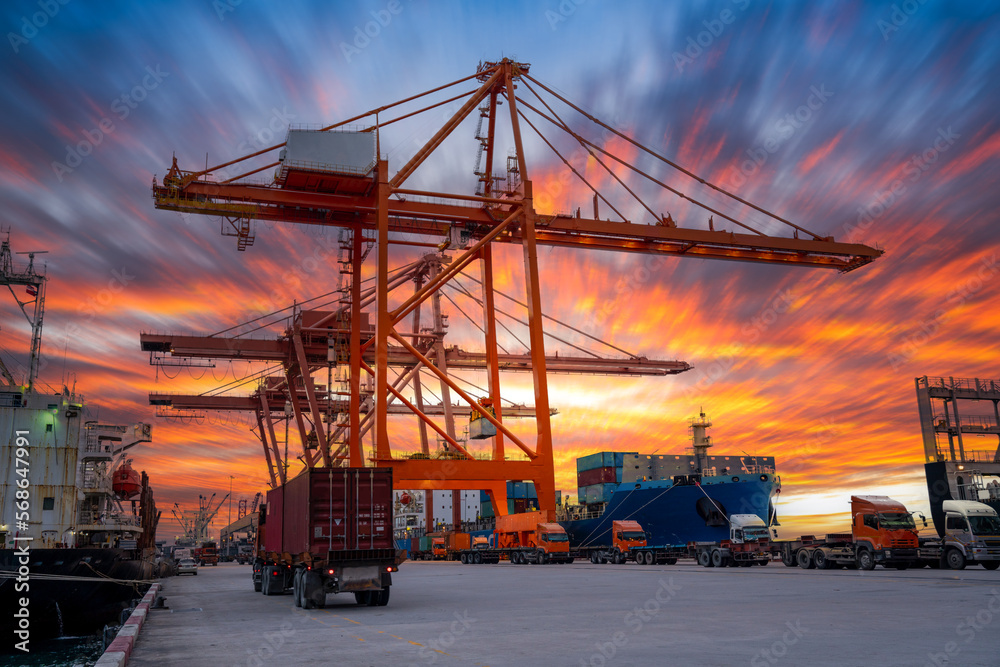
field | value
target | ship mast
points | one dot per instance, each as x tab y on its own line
34	286
701	440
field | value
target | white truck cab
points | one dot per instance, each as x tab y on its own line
972	531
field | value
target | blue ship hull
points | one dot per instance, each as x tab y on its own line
674	514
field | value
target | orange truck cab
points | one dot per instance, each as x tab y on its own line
626	535
438	548
552	539
884	532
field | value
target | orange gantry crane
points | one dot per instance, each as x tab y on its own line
337	176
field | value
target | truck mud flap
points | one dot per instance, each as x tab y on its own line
360	578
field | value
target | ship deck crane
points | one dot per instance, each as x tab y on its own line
34	285
380	210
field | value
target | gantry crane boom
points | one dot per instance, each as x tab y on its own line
382	210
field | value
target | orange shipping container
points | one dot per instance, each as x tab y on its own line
527	521
459	541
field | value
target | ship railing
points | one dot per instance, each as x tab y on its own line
757	470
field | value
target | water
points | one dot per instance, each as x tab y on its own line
61	652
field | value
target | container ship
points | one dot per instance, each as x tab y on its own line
87	519
676	498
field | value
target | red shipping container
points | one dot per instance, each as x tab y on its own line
596	476
331	509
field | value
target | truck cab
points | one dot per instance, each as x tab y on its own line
552	539
439	550
884	531
480	543
747	529
972	534
626	535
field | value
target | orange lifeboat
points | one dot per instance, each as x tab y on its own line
126	482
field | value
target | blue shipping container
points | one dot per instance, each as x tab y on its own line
618	475
531	490
598	493
598	460
620	458
520	490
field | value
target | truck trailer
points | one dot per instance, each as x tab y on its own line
328	530
882	533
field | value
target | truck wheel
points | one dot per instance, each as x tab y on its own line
902	566
805	560
297	587
866	560
821	560
955	559
361	597
256	587
717	559
464	559
705	559
787	559
763	562
477	558
991	564
383	597
671	561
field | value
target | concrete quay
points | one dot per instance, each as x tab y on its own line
592	615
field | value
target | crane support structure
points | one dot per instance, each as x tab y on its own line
377	340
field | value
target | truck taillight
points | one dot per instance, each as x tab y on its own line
274	573
329	571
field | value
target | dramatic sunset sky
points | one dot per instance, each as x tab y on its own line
881	127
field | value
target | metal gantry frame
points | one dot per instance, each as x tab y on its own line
383	207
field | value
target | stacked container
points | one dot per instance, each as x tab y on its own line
598	475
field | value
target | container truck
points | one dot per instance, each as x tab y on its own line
882	533
328	530
529	537
971	537
208	554
628	542
748	545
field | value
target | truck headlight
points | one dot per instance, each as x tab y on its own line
888	553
